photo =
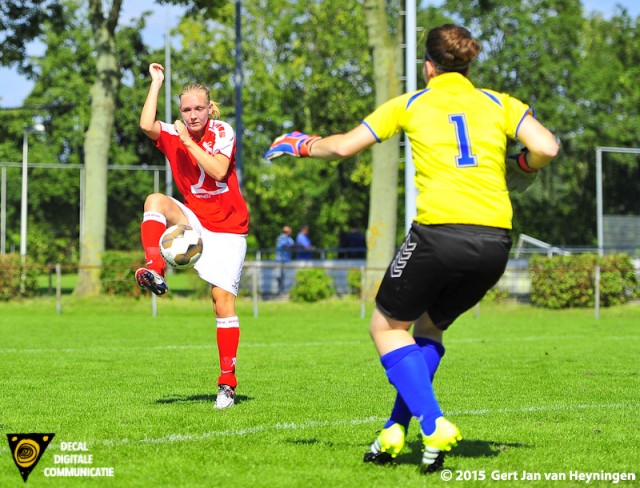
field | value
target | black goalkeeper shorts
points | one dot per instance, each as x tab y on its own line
443	270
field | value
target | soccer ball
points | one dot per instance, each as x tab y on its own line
181	246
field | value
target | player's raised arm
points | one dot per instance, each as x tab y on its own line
337	146
148	122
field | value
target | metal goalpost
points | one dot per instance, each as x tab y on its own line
410	63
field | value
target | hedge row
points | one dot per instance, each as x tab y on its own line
16	281
556	282
569	281
118	273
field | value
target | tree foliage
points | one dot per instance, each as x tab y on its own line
23	21
295	77
309	66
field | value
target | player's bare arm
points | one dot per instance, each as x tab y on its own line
341	146
215	166
540	142
148	122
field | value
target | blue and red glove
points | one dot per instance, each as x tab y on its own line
520	175
521	161
292	144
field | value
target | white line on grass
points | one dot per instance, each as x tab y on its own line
175	347
242	432
248	345
248	431
174	438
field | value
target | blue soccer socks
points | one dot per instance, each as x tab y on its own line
432	351
408	371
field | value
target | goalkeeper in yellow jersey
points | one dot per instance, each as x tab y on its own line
459	243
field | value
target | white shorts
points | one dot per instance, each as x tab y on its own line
222	254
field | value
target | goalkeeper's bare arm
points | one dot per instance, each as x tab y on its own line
540	142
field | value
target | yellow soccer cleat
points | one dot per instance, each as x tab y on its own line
387	446
445	438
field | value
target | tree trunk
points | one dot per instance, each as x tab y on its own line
387	67
96	148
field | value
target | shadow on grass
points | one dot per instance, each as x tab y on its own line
206	398
477	448
467	448
310	442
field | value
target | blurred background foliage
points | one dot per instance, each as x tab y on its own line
307	67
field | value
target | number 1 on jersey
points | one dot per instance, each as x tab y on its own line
466	158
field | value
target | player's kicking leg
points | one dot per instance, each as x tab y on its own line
157	209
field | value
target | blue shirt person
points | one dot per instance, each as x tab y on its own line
284	244
304	242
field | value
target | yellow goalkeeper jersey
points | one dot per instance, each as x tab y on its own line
458	136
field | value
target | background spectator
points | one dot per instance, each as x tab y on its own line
284	244
304	242
356	244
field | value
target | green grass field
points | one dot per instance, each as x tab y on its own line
531	390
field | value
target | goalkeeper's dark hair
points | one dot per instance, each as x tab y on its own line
451	48
200	88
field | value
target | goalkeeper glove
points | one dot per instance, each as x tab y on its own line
293	144
520	175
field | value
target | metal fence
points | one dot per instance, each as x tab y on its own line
264	278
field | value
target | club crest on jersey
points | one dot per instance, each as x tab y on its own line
219	128
403	256
208	146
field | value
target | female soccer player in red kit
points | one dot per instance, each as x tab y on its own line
201	152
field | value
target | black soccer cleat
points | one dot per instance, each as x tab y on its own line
150	280
381	458
445	437
435	465
387	445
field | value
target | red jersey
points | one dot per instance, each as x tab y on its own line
219	205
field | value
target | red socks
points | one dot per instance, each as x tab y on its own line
228	329
153	226
228	335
